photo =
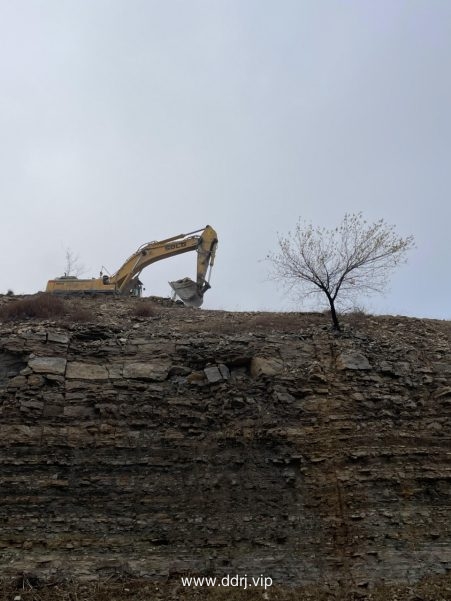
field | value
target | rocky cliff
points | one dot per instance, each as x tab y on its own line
207	442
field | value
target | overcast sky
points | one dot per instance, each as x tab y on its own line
125	121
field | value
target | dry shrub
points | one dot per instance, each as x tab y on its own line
146	309
41	305
357	317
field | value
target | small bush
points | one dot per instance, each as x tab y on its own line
145	309
357	317
358	310
40	305
10	292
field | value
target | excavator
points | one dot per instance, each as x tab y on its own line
126	281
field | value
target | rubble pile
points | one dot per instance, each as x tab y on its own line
209	442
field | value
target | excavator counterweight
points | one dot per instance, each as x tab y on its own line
126	279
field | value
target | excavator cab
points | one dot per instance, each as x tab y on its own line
136	287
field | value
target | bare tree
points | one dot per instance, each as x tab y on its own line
354	258
73	265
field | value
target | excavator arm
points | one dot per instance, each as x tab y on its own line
191	292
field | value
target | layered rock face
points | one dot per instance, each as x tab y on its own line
215	443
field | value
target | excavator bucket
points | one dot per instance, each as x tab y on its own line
188	291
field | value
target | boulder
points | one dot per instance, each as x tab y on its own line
263	366
31	405
58	337
213	374
48	365
17	382
35	380
352	360
77	370
225	372
154	370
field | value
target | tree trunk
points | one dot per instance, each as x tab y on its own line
333	314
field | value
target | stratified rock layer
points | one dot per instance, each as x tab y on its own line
206	442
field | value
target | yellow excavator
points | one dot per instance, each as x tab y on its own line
126	279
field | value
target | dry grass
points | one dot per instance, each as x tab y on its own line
145	309
44	306
285	323
279	322
356	318
41	305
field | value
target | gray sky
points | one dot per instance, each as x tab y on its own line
128	121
